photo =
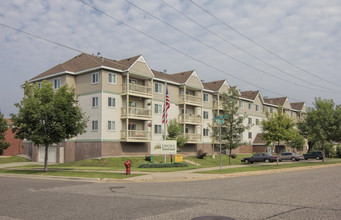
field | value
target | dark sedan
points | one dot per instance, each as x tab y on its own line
260	157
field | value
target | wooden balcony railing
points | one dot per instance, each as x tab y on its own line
136	112
135	135
192	119
135	89
190	99
193	138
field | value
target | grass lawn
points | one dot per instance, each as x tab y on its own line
13	159
84	174
248	168
208	161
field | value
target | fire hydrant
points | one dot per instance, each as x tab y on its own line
128	165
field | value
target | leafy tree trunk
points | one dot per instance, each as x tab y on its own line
230	156
46	157
323	151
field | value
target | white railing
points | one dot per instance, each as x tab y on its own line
137	89
191	99
193	138
185	118
136	112
135	135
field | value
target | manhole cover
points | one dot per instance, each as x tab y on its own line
212	218
113	188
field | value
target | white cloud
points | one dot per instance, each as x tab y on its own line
306	33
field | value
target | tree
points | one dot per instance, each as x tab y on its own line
296	140
48	117
175	133
323	122
277	127
3	128
233	126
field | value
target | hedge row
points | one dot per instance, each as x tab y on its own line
162	165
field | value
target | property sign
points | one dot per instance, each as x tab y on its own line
179	158
163	147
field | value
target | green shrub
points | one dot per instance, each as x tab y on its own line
162	165
338	151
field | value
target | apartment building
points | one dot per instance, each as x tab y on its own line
124	99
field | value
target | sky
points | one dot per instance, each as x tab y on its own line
281	48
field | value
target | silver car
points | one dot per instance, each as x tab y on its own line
290	156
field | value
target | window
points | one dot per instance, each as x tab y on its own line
94	126
264	109
271	110
111	125
257	121
112	78
205	97
250	135
132	126
158	88
257	108
187	111
250	106
94	102
40	84
132	104
205	132
132	81
205	115
111	102
157	129
157	108
186	130
56	83
240	104
94	78
250	121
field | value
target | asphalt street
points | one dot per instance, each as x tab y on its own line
304	194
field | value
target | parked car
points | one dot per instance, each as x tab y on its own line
260	157
290	156
318	155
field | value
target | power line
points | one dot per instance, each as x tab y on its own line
254	42
177	50
237	60
255	57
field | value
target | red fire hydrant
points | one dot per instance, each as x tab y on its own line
128	165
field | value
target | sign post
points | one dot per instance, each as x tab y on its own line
219	120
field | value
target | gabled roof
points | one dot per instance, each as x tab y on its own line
249	94
86	61
214	86
297	105
258	140
177	77
276	101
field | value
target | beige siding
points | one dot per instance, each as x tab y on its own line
112	87
142	69
194	82
84	83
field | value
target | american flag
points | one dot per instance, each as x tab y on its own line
165	108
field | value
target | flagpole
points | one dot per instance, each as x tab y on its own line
165	116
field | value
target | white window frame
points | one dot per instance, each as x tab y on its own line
54	83
205	132
157	108
93	80
95	102
205	114
205	97
250	106
111	125
158	88
257	108
271	109
111	78
157	129
249	135
112	102
94	125
241	104
249	121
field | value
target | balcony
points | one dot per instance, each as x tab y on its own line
136	113
193	138
135	135
190	119
218	106
190	99
137	90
